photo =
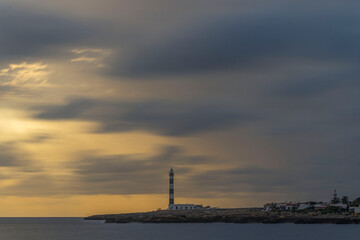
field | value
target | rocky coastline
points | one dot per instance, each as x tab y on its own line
240	215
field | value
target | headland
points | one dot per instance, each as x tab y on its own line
229	215
337	211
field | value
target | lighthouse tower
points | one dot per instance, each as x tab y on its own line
171	186
172	205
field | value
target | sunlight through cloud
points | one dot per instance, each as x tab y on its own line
90	55
25	75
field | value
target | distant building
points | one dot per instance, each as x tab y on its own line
285	206
269	207
335	205
184	206
355	206
339	205
319	206
303	206
354	209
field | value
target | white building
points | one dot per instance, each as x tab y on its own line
354	209
286	206
321	206
183	206
269	207
339	205
303	206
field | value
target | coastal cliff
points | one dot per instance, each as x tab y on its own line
249	215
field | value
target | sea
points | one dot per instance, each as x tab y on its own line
79	229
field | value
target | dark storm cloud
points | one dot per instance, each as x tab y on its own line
318	83
72	110
250	179
27	34
163	117
245	41
299	181
132	174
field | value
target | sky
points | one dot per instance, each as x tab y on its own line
250	101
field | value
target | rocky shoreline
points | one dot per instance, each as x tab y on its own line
241	215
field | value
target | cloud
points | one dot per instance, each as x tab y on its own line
30	34
94	173
83	59
318	83
25	176
141	174
94	56
71	110
132	174
257	40
14	157
166	118
22	79
5	89
24	75
39	185
314	181
40	138
7	158
248	179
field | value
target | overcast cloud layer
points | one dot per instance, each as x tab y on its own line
255	100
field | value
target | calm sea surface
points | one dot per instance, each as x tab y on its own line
77	229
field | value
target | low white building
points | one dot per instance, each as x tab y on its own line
339	205
321	206
269	207
184	206
303	206
354	209
290	206
286	206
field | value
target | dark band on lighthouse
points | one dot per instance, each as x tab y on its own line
171	186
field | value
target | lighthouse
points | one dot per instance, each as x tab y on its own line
172	205
171	187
